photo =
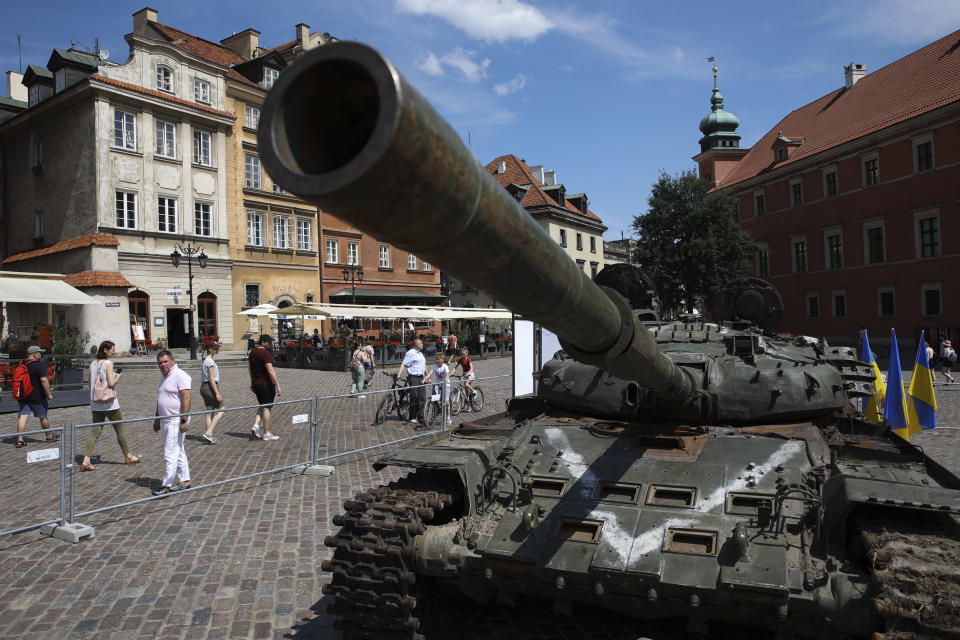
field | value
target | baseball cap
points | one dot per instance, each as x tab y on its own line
35	349
266	337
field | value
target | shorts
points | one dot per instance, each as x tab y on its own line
38	409
266	394
468	376
209	397
452	353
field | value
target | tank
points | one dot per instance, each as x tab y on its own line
709	472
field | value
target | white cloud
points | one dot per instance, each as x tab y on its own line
489	20
906	21
430	65
505	88
460	59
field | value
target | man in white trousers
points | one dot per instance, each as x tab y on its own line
173	397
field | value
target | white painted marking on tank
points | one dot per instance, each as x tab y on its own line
580	471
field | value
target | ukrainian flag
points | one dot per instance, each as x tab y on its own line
895	409
873	410
921	403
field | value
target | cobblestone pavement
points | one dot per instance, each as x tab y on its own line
242	559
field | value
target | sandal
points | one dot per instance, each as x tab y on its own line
87	467
133	460
21	444
52	437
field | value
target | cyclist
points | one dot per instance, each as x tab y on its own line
442	387
466	365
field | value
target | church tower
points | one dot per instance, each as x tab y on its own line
720	147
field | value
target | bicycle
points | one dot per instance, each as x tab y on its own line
459	399
397	400
433	409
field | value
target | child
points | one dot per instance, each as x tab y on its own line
466	364
442	386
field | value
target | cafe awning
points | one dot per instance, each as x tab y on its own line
404	312
40	288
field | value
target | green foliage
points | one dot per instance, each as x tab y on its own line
690	241
69	341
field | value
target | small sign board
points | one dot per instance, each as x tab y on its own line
113	304
483	338
43	455
173	294
254	325
138	333
301	417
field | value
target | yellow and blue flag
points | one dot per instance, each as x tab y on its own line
895	409
921	403
873	411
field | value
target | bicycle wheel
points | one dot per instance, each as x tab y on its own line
403	406
431	414
384	409
456	400
476	400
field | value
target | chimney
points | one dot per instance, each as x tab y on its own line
501	166
550	178
141	18
244	44
852	73
15	88
303	36
537	172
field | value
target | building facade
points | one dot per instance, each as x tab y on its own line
852	200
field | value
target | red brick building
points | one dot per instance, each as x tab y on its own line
854	200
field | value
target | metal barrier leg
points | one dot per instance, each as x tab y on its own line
70	531
312	468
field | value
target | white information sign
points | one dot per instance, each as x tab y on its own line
173	294
254	325
43	455
301	417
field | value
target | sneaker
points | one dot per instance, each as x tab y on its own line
414	421
162	491
468	410
449	422
271	436
255	430
210	438
361	396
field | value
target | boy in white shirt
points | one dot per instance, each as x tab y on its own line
442	386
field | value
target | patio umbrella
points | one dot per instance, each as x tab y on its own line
259	310
301	310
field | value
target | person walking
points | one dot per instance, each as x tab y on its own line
173	398
415	365
370	365
441	372
452	350
210	390
358	361
105	406
948	358
37	402
263	383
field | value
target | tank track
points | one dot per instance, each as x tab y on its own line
915	562
375	587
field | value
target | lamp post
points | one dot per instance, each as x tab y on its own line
353	273
191	252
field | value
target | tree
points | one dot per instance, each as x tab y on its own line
690	241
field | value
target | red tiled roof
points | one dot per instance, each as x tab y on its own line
98	239
519	173
160	94
925	80
207	50
279	47
96	279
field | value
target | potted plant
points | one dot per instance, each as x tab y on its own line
68	350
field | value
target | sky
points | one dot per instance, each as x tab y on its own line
608	93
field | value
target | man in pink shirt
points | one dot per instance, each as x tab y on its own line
173	397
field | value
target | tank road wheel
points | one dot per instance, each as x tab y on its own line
374	584
384	409
476	399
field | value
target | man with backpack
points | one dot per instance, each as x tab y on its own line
32	391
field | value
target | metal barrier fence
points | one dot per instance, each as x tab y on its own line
357	429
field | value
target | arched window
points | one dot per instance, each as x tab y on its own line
140	311
207	315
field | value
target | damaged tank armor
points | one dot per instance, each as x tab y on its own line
691	470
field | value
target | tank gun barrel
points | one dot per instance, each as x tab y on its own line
343	129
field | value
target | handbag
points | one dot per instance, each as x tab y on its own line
101	390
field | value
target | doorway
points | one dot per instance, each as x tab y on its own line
177	329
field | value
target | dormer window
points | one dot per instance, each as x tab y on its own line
60	79
781	154
269	77
34	95
164	78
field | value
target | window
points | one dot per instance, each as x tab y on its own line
33	99
353	253
281	232
384	256
252	119
563	237
37	158
799	255
425	266
269	77
164	78
38	224
167	214
201	147
781	154
60	80
304	241
593	244
251	295
579	242
758	204
201	90
763	261
278	189
203	218
796	193
593	269
813	304
166	139
874	250
886	307
252	172
927	230
871	171
830	183
412	262
923	155
333	251
833	246
582	265
255	229
126	209
839	303
930	299
124	130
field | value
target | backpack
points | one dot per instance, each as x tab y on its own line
951	356
22	385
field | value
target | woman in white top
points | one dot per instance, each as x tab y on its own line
102	369
210	390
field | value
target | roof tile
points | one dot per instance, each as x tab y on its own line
161	94
517	171
91	239
96	279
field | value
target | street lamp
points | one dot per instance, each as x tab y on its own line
190	251
353	273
